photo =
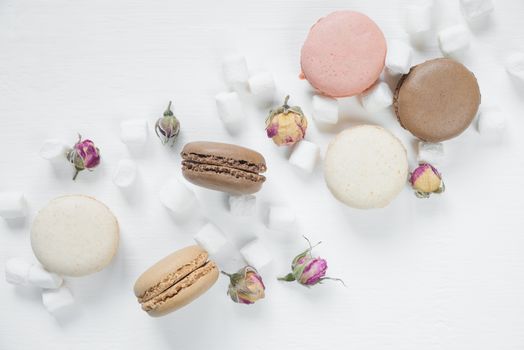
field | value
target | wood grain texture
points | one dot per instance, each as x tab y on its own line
446	273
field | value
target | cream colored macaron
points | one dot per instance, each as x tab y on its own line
366	167
75	235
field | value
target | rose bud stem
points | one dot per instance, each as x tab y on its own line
225	273
168	112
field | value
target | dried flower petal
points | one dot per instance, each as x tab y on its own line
308	270
83	155
167	128
425	180
245	286
286	125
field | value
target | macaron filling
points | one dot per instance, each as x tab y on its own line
173	277
177	287
202	163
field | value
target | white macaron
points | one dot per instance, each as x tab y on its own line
75	235
366	167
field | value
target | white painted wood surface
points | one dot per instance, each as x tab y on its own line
445	273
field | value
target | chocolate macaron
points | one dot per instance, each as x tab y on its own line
437	100
223	167
175	281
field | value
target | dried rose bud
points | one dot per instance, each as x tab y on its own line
425	180
308	270
167	128
83	155
245	286
286	125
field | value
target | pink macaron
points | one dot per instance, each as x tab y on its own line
343	54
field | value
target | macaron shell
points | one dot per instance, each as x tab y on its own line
188	256
187	295
366	167
437	100
222	182
75	235
225	150
344	54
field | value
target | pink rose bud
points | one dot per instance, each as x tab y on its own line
308	270
425	180
286	125
245	286
83	155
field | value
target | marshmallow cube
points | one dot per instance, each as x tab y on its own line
210	238
41	278
125	173
57	301
281	218
377	98
17	271
476	9
454	39
305	155
515	65
325	109
418	19
230	109
399	57
133	132
432	153
262	87
177	197
256	254
12	205
235	71
491	122
243	205
53	149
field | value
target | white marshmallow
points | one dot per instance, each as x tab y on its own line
399	57
325	109
57	301
491	122
262	87
41	278
377	98
125	173
17	271
281	218
515	65
432	153
419	18
177	197
256	254
133	132
243	205
210	238
12	205
476	9
453	40
305	155
235	71
53	149
230	110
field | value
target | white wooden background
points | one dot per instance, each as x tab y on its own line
445	273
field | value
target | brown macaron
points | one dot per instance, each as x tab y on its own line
175	281
223	167
437	100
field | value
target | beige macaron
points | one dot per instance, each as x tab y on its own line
366	167
175	281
